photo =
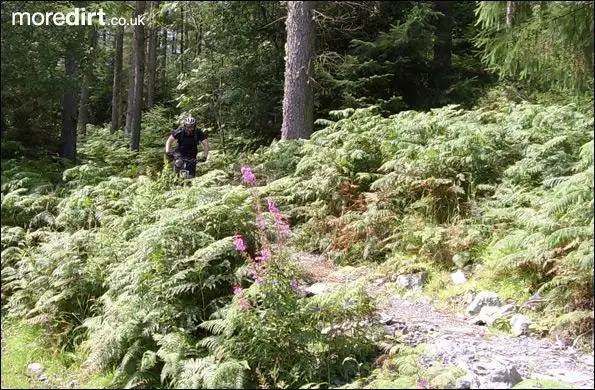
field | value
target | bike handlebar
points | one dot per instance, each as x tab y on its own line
188	160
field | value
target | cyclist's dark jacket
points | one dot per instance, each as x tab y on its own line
187	144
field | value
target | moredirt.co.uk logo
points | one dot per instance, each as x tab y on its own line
78	17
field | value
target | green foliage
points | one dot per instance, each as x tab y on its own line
399	369
23	344
552	233
140	272
37	284
207	374
156	127
440	185
388	60
234	83
105	149
125	241
33	70
164	261
31	191
289	340
432	164
548	44
372	53
280	159
103	153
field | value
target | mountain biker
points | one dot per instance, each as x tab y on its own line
188	137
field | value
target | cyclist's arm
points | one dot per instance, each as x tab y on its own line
205	146
168	143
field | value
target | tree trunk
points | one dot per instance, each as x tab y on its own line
83	117
297	98
152	62
443	45
174	43
139	43
509	13
2	124
199	39
163	81
81	125
116	86
182	29
182	39
186	29
130	95
68	147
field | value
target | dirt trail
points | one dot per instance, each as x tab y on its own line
487	356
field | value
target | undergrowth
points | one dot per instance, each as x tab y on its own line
115	258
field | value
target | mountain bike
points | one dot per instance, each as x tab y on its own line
182	165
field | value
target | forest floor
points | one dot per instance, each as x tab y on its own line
29	363
492	358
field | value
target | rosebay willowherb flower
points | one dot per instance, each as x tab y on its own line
244	303
283	229
261	222
258	266
273	209
281	224
265	255
238	242
248	176
256	271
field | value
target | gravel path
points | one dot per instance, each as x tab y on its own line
456	342
492	360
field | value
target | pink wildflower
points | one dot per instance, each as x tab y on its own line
256	275
248	176
423	384
255	270
283	229
273	207
265	255
239	244
295	284
237	290
261	223
244	303
281	225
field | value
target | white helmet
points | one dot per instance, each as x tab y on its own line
189	121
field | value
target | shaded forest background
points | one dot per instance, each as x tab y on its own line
224	62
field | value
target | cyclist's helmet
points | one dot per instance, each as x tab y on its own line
189	121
